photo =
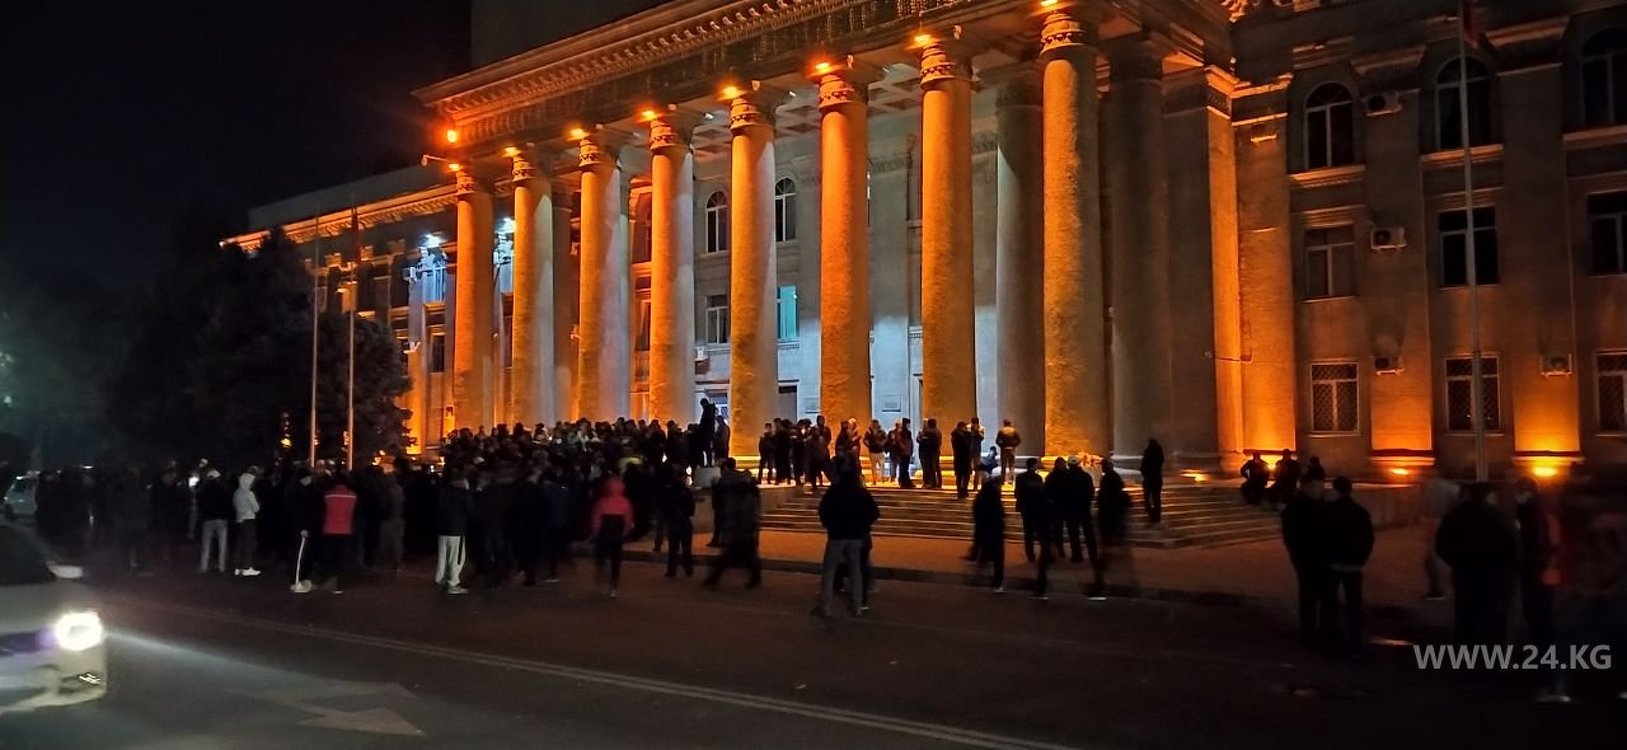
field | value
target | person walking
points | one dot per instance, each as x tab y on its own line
960	447
1304	535
453	505
245	507
214	513
1349	545
1481	546
612	520
847	511
931	444
1034	507
741	507
677	507
989	531
1152	481
338	529
1007	440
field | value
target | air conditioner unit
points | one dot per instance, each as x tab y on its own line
1387	103
1387	365
1382	239
1554	365
701	355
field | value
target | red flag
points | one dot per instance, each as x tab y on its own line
1467	24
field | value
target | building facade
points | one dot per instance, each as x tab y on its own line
1232	225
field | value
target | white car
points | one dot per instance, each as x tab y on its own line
52	650
19	505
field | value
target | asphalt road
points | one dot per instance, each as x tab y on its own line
204	662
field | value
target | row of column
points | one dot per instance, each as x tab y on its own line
1063	304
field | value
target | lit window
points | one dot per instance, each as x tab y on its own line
1330	263
1330	127
1454	238
1448	113
785	210
717	318
1460	393
1604	79
785	303
503	256
1607	221
717	223
1612	391
642	227
1334	397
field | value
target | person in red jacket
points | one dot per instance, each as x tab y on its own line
338	524
612	519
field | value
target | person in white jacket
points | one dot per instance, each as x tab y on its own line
247	507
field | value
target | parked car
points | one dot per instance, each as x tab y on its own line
52	643
19	505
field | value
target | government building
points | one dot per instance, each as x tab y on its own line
1232	225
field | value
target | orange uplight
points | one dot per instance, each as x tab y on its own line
1400	471
1197	477
822	67
1047	3
648	115
454	166
923	39
451	135
511	152
731	92
1545	471
578	134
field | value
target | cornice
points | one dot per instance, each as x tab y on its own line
368	215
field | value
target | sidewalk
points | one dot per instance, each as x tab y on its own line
1253	574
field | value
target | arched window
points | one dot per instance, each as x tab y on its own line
785	210
1449	84
1604	79
717	223
1330	127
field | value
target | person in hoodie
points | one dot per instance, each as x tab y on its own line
453	505
1304	535
847	511
246	508
611	522
214	513
1349	544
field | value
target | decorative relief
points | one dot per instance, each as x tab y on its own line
467	184
1062	34
944	60
839	89
523	169
594	152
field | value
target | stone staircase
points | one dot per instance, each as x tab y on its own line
1194	515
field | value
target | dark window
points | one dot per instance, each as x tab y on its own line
1448	110
1613	392
1454	238
1460	398
1333	397
1330	263
1604	79
437	353
642	228
785	210
717	223
1607	222
1330	127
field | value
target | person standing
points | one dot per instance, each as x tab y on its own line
1349	545
529	519
492	505
904	454
1112	508
611	522
989	531
677	507
960	447
1481	546
1007	440
875	443
453	504
392	518
557	497
1304	535
847	511
305	506
765	454
740	506
1152	481
974	434
214	513
133	510
931	443
245	507
1034	507
705	432
1255	476
338	529
1539	576
1285	477
782	451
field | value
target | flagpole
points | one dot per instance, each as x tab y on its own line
1471	260
316	294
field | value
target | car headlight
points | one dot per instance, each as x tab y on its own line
77	631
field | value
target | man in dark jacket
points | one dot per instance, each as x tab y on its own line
989	531
1255	476
1304	534
1349	543
931	442
452	509
492	505
556	497
740	506
704	432
677	509
904	453
1539	576
1481	546
528	523
1071	501
960	444
1034	506
847	512
765	454
1285	477
215	512
392	517
1152	481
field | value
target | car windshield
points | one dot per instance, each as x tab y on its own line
21	562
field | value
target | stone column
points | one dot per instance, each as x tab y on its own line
604	353
844	248
948	337
672	268
472	360
754	380
1138	180
531	385
445	420
419	425
567	292
1020	254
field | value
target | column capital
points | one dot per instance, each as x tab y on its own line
751	103
1066	31
843	81
467	183
598	147
530	163
944	57
670	126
